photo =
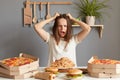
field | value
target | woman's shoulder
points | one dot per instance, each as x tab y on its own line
74	38
51	37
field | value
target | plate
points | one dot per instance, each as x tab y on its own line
78	78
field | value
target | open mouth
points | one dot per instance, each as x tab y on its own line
62	33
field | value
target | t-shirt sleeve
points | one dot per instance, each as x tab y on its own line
76	39
48	38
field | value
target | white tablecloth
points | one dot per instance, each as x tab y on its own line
85	77
61	76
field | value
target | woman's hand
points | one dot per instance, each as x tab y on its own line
69	15
56	14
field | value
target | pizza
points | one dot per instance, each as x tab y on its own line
17	61
105	61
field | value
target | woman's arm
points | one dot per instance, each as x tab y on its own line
85	28
39	27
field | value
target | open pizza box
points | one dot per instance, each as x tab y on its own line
19	70
102	70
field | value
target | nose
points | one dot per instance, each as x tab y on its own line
62	27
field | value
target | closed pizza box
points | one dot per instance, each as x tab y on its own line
23	76
104	75
18	70
102	69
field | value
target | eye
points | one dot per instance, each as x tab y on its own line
65	25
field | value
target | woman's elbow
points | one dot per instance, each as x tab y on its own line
36	27
89	28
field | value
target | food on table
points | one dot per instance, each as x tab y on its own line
63	62
45	76
17	61
53	70
63	70
74	74
105	61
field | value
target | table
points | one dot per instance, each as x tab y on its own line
61	76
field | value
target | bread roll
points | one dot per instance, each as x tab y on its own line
45	75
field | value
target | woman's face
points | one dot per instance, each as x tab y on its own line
62	27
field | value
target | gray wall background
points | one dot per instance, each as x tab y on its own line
16	38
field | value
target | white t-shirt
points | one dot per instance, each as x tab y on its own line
58	51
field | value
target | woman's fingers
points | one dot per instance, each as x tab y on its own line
70	16
57	14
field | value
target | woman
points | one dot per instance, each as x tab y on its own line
62	43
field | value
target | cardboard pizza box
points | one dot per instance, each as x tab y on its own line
101	65
104	75
23	76
7	72
18	70
104	70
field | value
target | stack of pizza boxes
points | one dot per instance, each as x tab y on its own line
103	70
22	71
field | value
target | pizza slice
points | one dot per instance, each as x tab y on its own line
105	61
17	61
